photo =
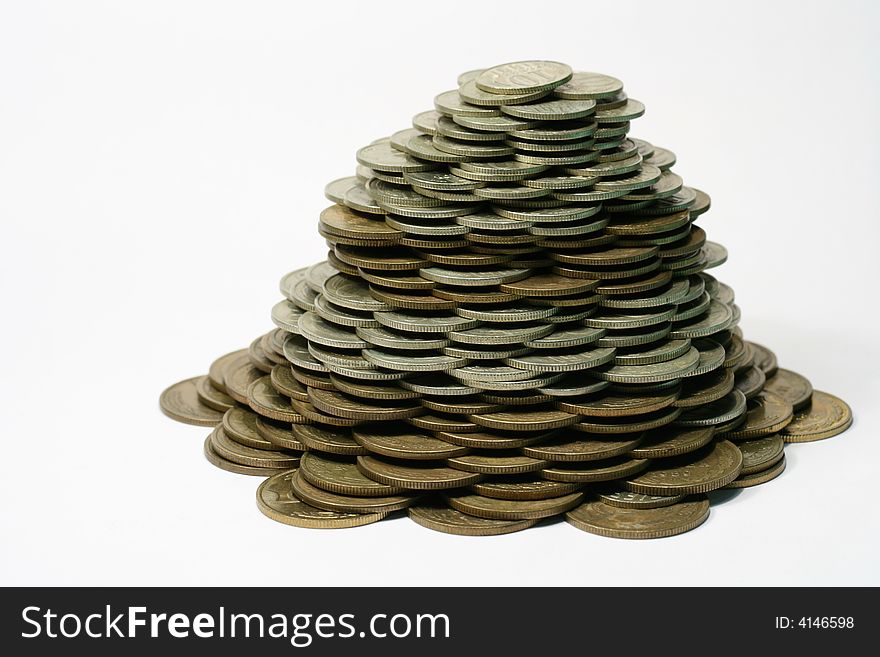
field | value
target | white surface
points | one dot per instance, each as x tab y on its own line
162	165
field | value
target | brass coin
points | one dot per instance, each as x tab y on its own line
792	387
276	500
266	401
449	521
432	422
629	424
827	416
568	448
709	468
431	476
757	478
627	500
328	501
594	471
258	357
672	441
751	381
279	434
371	390
283	380
705	389
238	377
181	402
258	458
231	466
309	412
726	409
765	359
523	77
499	440
338	404
496	463
240	424
332	439
495	509
340	475
405	443
217	371
548	285
767	413
524	487
597	517
761	453
525	420
609	404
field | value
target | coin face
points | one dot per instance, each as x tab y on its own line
792	387
216	372
757	478
603	519
627	500
673	441
767	413
275	498
589	86
339	474
760	453
827	416
494	508
181	402
231	466
522	77
322	499
412	476
406	443
707	469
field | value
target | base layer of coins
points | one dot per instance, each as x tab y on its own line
513	322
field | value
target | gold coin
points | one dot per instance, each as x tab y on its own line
410	476
258	458
449	521
709	468
339	474
335	440
286	383
628	424
328	501
827	416
276	500
240	424
569	448
210	396
496	463
593	471
279	434
619	405
181	402
524	487
338	404
238	376
217	371
767	413
705	388
500	440
761	453
268	402
673	441
596	517
757	478
792	387
626	500
528	420
495	509
402	442
230	466
306	412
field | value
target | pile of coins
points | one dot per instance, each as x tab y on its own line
514	322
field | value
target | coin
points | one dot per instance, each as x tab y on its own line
441	518
332	439
181	402
757	478
217	371
704	389
340	475
751	381
597	517
827	416
709	468
408	475
495	509
276	500
568	448
231	466
627	500
583	85
594	471
240	424
672	441
278	434
328	501
244	455
727	408
792	387
767	413
765	360
406	443
523	77
496	463
761	453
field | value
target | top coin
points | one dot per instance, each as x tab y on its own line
523	77
592	86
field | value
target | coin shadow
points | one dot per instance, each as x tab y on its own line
720	497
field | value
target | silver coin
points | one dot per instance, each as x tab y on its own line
403	362
480	278
728	408
296	351
352	293
506	314
490	335
574	360
654	372
337	315
316	329
567	336
717	318
384	337
286	315
424	323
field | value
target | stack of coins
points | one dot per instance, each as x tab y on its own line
514	322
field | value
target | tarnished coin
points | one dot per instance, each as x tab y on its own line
340	475
331	439
240	424
542	419
597	517
765	360
444	519
791	386
594	471
211	396
337	403
610	404
727	408
627	500
231	466
826	416
760	477
412	476
523	77
760	453
181	402
244	455
405	442
496	463
276	500
709	468
766	413
496	509
217	371
278	434
672	441
569	448
704	389
584	85
751	381
328	501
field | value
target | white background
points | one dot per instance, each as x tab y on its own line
162	165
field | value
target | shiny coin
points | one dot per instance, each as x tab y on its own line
278	434
217	371
181	402
709	468
472	94
441	518
240	424
406	443
727	408
212	397
584	86
275	499
244	455
523	77
827	416
597	517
